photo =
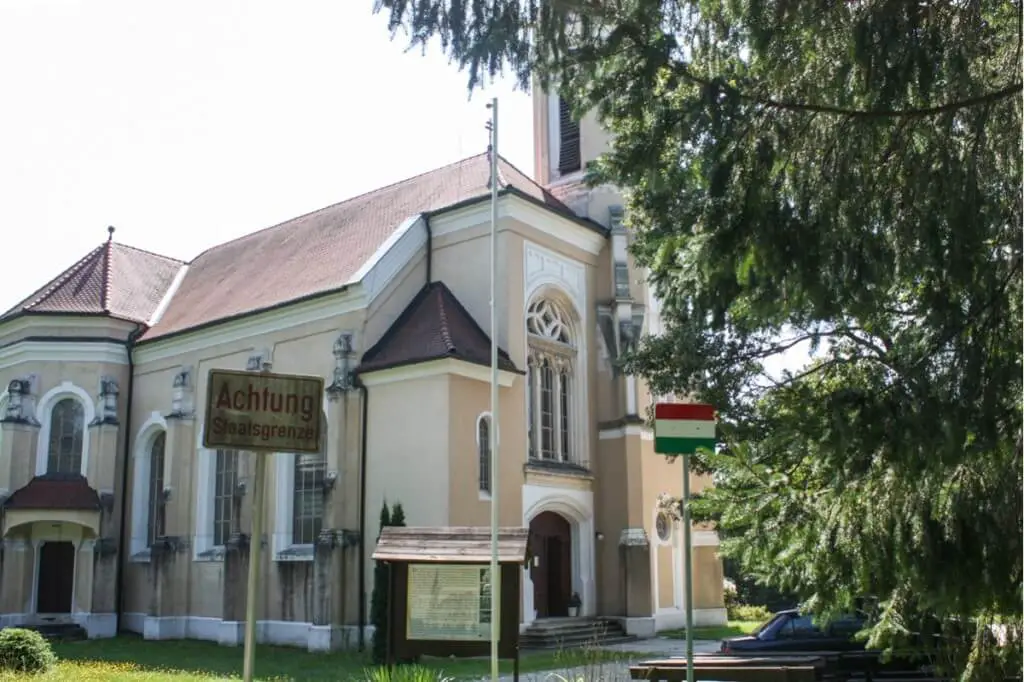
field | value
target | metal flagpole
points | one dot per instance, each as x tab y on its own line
493	431
688	567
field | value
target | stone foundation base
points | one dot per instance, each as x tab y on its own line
670	620
232	633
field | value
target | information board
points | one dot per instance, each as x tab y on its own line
449	602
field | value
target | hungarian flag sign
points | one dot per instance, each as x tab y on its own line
682	428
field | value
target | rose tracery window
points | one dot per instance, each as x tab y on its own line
551	382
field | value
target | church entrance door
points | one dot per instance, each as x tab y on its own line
551	572
56	577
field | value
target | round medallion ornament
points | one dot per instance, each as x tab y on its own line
663	526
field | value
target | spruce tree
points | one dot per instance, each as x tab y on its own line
840	177
379	601
397	514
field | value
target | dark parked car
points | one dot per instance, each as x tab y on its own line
791	631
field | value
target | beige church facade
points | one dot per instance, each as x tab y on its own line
116	518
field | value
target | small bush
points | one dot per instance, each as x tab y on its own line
747	612
25	651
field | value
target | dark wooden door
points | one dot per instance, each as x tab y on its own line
552	570
56	577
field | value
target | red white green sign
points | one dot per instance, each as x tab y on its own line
683	428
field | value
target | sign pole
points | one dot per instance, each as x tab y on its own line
688	568
261	413
493	431
682	429
255	552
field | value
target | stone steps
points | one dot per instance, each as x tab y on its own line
60	632
572	633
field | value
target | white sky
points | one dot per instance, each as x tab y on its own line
185	124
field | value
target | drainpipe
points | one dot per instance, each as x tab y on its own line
430	239
129	346
365	407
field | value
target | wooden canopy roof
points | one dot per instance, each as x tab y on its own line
451	544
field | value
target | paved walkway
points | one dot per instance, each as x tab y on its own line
656	647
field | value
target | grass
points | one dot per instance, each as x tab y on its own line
733	628
134	659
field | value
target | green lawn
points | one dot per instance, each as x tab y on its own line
731	629
137	660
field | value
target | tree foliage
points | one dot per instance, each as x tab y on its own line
840	175
379	598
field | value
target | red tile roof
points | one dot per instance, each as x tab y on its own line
321	251
433	326
54	491
309	255
113	279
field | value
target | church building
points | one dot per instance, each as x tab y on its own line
115	517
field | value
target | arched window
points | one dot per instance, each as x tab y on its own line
225	481
155	520
551	382
308	498
67	432
483	449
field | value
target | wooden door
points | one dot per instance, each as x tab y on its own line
56	577
551	541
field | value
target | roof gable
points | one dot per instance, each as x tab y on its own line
433	326
113	279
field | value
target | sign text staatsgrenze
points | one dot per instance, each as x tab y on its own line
263	412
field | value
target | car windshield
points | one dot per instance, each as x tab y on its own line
764	626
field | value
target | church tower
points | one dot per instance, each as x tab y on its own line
629	477
563	146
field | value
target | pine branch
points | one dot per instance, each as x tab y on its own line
987	98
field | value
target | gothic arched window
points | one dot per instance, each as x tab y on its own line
67	433
551	382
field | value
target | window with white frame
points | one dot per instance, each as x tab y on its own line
225	481
299	501
483	452
67	434
552	366
155	518
308	496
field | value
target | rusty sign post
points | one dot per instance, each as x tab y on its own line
263	413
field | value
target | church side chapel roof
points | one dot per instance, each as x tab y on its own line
55	491
112	279
434	326
313	254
